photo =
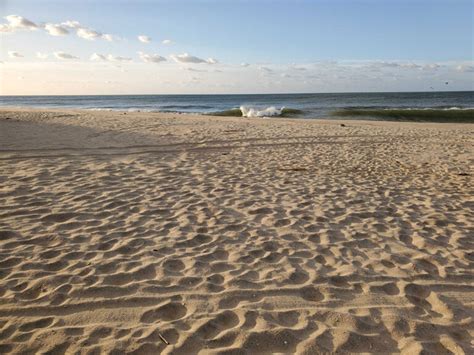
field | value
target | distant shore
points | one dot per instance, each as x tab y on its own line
167	233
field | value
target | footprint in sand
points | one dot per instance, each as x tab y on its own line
169	312
217	325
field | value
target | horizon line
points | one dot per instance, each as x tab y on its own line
233	94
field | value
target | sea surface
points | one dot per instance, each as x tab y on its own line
419	106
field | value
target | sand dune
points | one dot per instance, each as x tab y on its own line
161	233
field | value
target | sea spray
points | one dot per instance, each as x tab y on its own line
254	112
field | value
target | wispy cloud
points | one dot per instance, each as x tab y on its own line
109	58
40	55
88	34
144	39
465	68
108	37
118	58
243	64
151	58
212	61
265	69
71	24
167	41
187	58
98	57
14	54
55	30
64	56
195	70
15	23
299	68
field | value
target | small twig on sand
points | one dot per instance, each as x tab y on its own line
293	169
163	339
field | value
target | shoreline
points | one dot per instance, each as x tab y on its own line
447	107
222	234
167	114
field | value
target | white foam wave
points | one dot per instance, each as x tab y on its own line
255	112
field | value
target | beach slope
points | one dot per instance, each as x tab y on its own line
165	233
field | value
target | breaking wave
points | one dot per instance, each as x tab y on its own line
246	111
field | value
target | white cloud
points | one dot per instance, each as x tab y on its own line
71	24
387	64
167	41
151	58
15	22
13	54
114	58
299	68
55	30
144	39
378	65
265	69
195	70
62	55
243	64
97	56
20	22
432	66
465	68
108	37
88	34
40	55
411	66
109	58
187	58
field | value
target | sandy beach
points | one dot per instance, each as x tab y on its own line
152	233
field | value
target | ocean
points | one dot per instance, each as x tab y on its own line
416	106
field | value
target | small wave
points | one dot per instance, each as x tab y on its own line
451	114
185	107
99	109
255	112
245	111
121	109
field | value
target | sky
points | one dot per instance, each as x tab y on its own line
68	47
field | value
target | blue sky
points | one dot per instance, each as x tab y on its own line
403	45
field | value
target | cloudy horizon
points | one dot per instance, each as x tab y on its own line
166	52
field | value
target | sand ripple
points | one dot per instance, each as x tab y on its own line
234	236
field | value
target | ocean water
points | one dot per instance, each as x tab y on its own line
442	106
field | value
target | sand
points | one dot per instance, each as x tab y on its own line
163	233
